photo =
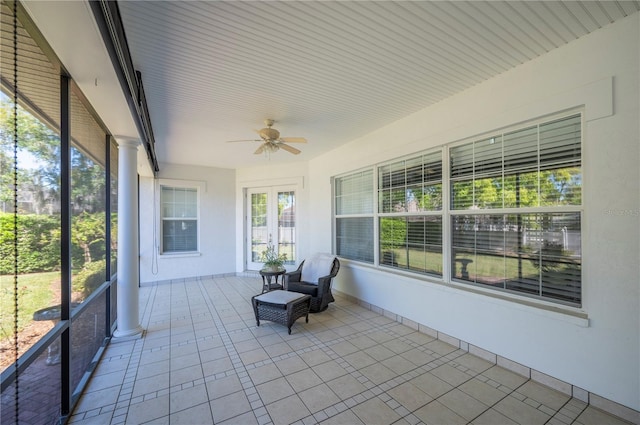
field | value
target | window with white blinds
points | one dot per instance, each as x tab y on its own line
354	237
179	207
410	205
512	207
534	251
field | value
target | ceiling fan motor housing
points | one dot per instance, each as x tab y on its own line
269	133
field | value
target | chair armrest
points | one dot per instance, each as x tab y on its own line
324	284
293	276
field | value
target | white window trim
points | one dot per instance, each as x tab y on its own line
200	187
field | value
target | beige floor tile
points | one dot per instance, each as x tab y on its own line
398	364
223	386
188	397
184	375
304	379
149	357
378	373
187	360
278	349
410	396
543	395
299	343
291	365
463	404
217	366
346	386
182	345
594	416
397	346
492	417
98	398
344	348
248	345
419	338
151	384
359	359
362	341
245	419
345	418
375	411
269	339
431	385
436	413
380	337
379	352
264	373
482	392
213	354
418	357
287	410
229	406
318	398
520	412
329	370
315	357
504	377
274	390
474	363
253	356
440	347
450	375
149	410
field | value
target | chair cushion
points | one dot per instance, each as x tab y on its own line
316	266
303	288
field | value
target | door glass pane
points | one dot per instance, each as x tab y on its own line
259	230
287	225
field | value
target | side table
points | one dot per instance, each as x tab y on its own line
268	275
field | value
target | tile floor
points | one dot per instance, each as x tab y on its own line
203	360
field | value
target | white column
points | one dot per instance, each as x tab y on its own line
128	315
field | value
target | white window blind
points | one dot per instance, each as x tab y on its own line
535	252
354	216
179	206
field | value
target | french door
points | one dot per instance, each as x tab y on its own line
271	217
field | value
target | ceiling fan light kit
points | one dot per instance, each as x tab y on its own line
271	140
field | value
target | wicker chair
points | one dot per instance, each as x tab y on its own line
315	280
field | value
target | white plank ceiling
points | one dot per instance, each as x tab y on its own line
329	71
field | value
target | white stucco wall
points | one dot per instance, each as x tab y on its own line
216	225
600	73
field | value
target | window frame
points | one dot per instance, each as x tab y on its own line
449	213
178	184
364	214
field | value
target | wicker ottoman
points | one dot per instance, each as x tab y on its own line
282	307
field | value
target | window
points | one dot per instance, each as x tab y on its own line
524	189
410	207
179	206
354	216
512	207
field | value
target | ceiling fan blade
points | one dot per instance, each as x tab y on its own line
289	148
293	139
245	140
260	149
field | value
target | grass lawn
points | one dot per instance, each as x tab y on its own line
35	291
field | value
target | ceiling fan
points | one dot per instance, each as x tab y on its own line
271	140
